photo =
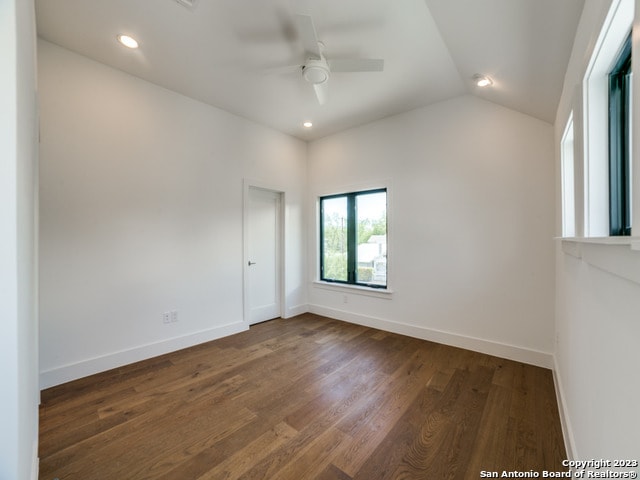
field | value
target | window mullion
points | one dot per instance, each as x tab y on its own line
352	230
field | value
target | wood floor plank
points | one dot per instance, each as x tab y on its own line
158	458
550	447
324	420
314	459
217	458
304	398
488	448
369	423
78	400
331	472
523	412
390	452
149	442
237	464
95	385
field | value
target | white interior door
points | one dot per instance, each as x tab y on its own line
263	255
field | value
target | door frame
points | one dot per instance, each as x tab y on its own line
248	184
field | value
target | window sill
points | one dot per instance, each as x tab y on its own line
573	245
633	242
619	256
384	293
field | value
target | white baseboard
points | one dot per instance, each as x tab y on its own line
66	373
296	310
35	461
565	423
511	352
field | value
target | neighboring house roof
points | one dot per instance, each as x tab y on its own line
378	239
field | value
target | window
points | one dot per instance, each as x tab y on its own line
353	238
620	143
593	187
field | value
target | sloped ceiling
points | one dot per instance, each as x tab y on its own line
234	54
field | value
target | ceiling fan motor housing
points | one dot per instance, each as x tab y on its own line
316	71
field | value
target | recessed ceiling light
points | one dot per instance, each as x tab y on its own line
482	80
127	41
307	124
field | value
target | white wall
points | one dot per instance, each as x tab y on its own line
597	300
18	272
471	225
141	213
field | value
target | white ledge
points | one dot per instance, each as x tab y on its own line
385	293
632	242
616	255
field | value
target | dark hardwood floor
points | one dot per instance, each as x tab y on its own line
304	398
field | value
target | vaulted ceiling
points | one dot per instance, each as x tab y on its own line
237	54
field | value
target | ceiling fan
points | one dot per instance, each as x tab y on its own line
317	68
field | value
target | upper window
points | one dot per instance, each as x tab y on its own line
593	179
353	238
620	143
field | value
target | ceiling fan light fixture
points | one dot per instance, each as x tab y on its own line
127	41
482	80
315	74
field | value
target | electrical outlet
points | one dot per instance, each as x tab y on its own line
174	316
345	299
166	317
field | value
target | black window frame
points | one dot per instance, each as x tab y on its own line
619	143
352	230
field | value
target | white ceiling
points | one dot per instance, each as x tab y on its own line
229	53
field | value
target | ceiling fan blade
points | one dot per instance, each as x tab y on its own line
286	69
308	35
322	92
356	65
